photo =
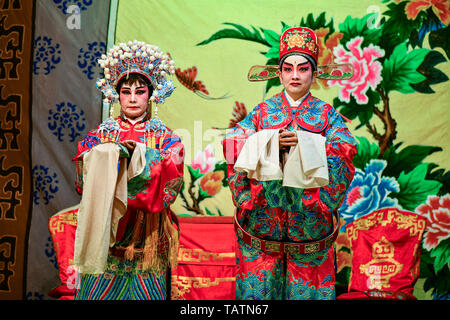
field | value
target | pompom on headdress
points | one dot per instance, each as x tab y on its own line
136	57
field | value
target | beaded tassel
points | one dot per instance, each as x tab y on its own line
108	130
156	131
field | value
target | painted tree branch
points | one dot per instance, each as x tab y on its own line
385	140
195	201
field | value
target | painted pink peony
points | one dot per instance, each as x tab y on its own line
367	69
437	212
204	160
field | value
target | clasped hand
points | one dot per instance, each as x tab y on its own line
129	144
287	139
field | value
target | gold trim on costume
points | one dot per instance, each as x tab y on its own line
198	255
182	284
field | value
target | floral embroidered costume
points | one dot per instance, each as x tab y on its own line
124	252
277	219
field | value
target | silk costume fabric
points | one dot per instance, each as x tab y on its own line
97	221
150	192
270	211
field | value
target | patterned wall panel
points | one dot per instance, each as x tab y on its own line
16	23
69	38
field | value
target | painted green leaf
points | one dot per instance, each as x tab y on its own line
433	75
397	28
441	176
343	277
366	152
414	188
222	166
271	37
439	281
440	38
426	21
284	26
195	173
202	194
407	159
317	23
354	110
273	52
349	111
443	283
364	115
400	69
426	265
208	212
239	32
354	27
441	254
186	214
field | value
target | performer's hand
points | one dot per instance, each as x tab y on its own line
129	144
287	139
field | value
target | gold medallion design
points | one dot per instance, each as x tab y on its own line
382	267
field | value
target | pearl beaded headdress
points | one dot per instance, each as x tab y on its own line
136	57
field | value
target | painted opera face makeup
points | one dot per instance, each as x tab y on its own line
134	100
296	76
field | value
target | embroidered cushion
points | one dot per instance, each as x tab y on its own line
385	249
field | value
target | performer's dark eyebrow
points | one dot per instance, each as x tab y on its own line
126	87
300	64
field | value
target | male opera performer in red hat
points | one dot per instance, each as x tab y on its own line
289	166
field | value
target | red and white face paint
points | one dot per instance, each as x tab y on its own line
134	100
296	75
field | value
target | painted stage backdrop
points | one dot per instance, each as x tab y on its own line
397	103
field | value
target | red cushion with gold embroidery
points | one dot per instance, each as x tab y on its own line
62	227
385	249
206	260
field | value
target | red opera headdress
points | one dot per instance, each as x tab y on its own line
301	41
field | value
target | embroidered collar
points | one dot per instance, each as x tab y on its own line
292	102
311	115
142	118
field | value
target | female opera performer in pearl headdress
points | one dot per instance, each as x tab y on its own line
129	171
